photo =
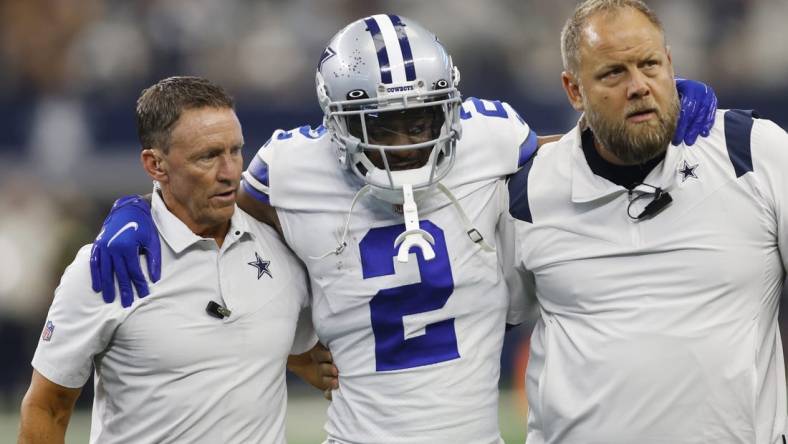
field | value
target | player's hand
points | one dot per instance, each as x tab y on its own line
698	111
128	231
328	372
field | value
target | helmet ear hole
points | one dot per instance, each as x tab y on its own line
357	94
440	84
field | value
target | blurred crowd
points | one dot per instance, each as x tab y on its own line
72	69
108	49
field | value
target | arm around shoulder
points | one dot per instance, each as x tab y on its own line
259	210
541	140
46	411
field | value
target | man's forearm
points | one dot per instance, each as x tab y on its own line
42	425
46	410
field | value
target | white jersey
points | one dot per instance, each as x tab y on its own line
417	345
166	371
662	330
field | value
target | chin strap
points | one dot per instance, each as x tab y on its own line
413	236
473	233
342	240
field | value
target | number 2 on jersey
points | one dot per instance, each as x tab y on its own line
388	307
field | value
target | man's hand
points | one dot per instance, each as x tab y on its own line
317	368
329	374
128	231
698	111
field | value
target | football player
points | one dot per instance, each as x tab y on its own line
397	205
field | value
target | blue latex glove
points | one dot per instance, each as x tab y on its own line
698	110
128	231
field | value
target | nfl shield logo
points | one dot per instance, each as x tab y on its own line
46	335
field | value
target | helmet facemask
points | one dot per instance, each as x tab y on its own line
399	139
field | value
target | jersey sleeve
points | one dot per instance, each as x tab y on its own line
255	180
495	143
522	136
770	161
295	169
79	326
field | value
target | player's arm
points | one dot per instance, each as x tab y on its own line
541	140
258	209
254	194
46	411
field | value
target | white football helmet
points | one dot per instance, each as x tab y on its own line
384	69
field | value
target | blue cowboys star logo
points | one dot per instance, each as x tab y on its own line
688	171
261	265
327	54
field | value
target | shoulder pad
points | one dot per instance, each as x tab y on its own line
297	169
256	177
306	132
495	142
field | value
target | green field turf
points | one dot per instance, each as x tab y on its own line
304	426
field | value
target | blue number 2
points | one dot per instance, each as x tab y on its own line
390	305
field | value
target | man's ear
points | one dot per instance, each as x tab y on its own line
155	164
573	92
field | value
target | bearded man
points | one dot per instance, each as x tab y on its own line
657	268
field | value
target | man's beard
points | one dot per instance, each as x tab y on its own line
630	145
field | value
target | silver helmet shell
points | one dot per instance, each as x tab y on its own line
385	63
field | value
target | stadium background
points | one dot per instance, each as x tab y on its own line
72	69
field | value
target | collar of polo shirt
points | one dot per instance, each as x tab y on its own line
179	237
588	187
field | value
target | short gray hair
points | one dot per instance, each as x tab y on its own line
573	29
160	106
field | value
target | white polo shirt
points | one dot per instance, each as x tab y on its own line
661	330
167	371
